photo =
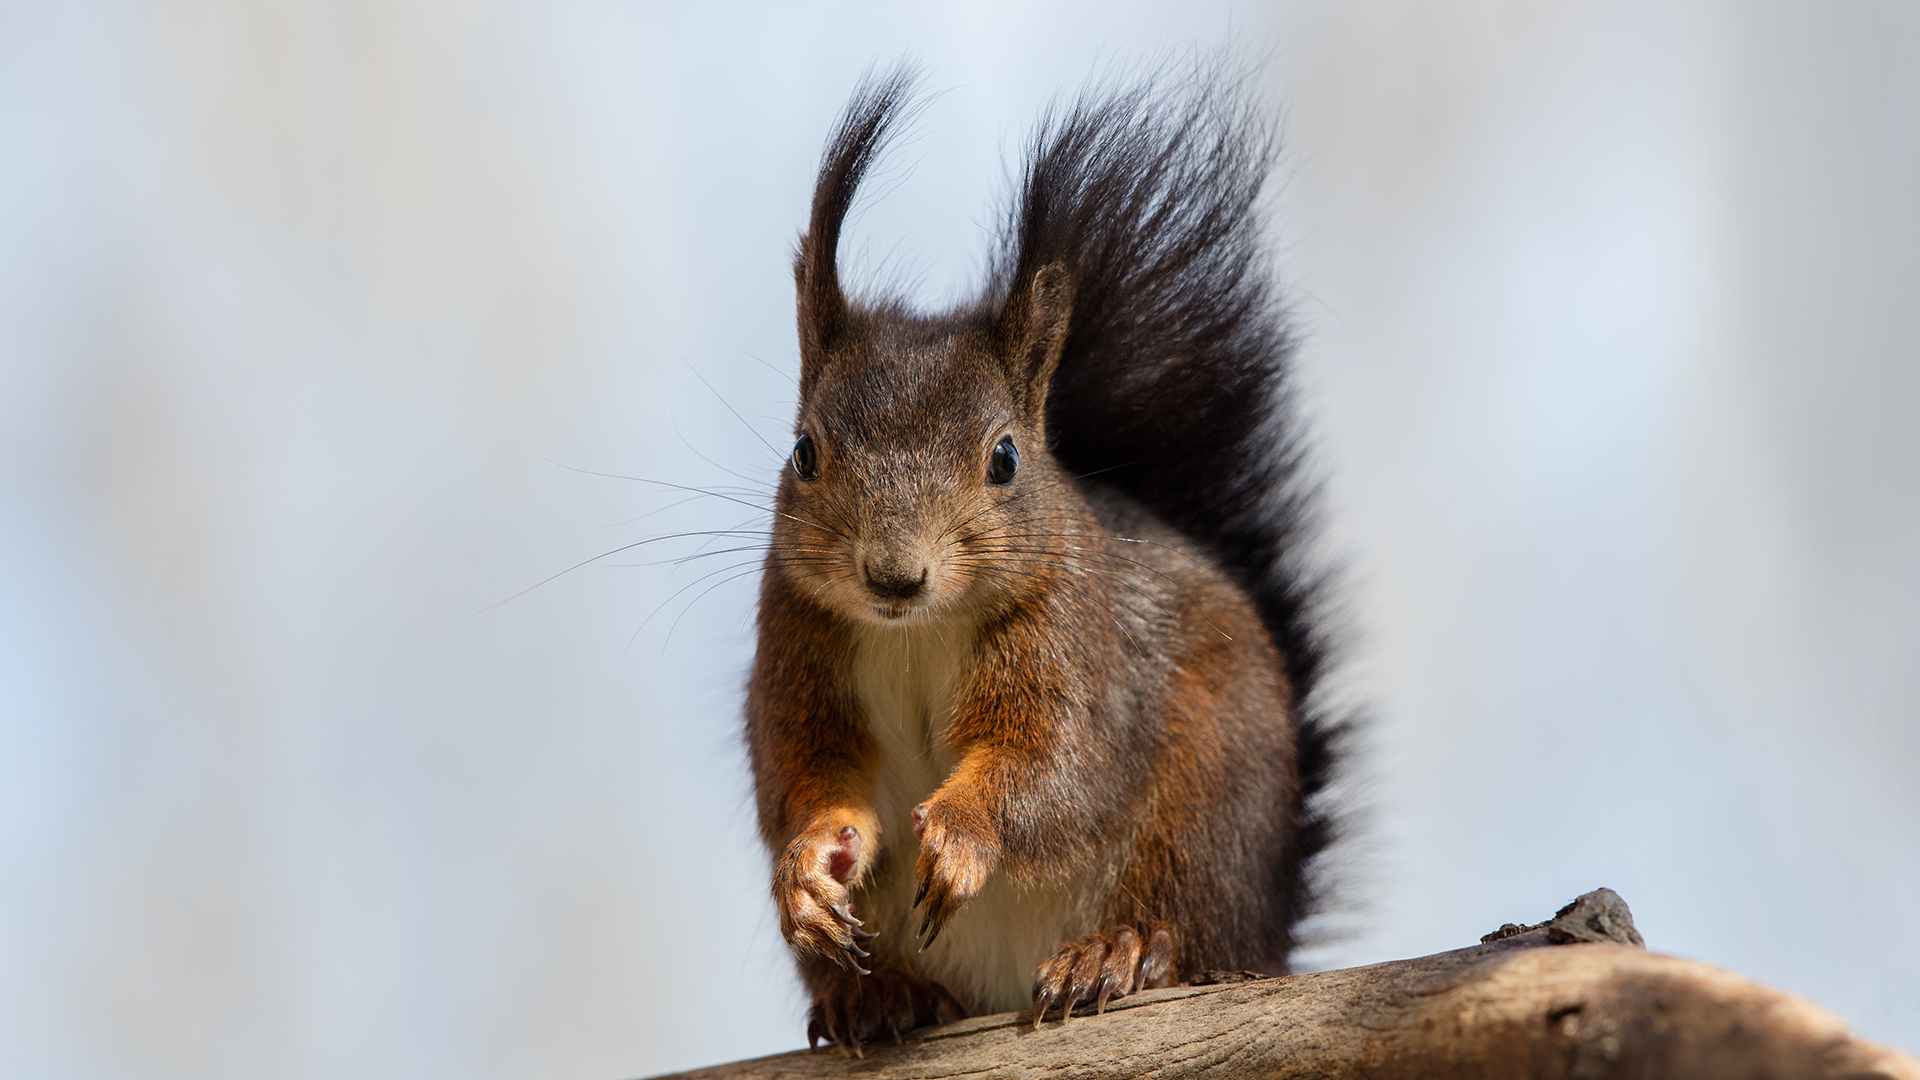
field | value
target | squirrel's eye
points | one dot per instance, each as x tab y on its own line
806	460
1004	462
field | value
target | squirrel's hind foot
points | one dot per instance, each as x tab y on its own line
856	1010
1100	967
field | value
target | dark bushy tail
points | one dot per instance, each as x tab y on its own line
1173	382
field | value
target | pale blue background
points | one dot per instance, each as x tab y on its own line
1611	342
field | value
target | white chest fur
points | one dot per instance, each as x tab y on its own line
906	679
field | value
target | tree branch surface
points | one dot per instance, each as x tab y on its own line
1578	996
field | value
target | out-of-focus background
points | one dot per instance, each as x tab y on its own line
318	319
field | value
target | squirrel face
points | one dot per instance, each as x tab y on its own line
917	482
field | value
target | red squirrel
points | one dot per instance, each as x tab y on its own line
1030	719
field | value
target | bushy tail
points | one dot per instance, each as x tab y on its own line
1173	381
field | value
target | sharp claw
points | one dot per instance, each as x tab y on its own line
919	894
928	932
862	935
847	961
840	912
858	951
1041	1002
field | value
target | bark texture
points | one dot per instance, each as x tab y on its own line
1577	996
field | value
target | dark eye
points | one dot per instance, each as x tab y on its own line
1004	462
806	460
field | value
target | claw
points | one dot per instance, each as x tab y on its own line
1118	977
827	1026
862	935
919	894
1157	967
849	1014
1087	970
858	951
1042	1000
929	933
840	912
1050	984
1123	964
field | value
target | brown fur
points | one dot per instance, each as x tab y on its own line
1102	726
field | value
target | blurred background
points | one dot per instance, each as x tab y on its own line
318	322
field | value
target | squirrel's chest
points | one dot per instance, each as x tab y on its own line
906	681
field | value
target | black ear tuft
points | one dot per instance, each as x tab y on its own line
876	108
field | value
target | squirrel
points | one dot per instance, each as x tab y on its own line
1031	716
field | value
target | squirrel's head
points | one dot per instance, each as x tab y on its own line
919	482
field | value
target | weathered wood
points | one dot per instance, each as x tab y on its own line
1595	1004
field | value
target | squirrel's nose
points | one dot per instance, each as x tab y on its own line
895	583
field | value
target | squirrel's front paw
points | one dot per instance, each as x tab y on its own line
958	849
810	886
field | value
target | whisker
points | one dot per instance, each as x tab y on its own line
595	559
651	513
738	530
658	608
700	491
783	373
697	599
685	559
777	455
697	452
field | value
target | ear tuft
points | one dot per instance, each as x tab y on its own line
877	107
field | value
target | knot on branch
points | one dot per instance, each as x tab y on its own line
1598	916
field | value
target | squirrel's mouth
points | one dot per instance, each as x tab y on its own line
913	610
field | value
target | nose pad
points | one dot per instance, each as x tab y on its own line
894	583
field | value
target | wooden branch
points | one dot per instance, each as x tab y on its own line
1577	997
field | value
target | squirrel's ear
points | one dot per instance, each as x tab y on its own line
1034	330
823	307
